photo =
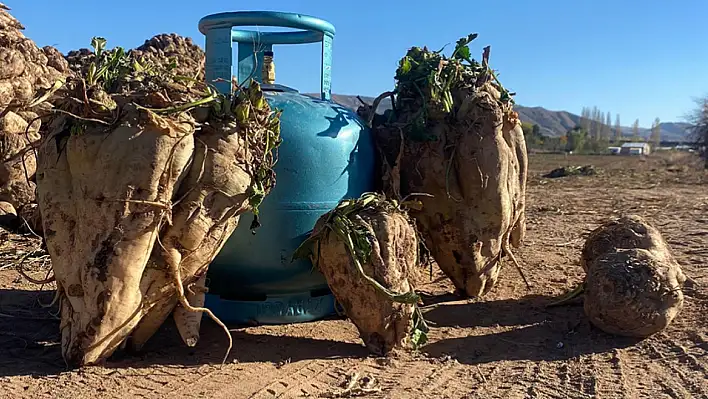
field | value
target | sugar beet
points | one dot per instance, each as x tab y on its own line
367	250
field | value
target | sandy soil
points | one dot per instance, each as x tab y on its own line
507	345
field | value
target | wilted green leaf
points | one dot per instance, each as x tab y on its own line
466	40
464	53
99	44
242	112
405	65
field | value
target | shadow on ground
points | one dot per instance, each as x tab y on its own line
30	343
505	330
523	329
453	311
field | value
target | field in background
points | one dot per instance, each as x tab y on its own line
507	345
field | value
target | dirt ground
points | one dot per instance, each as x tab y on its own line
507	345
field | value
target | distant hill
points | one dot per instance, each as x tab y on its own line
675	129
552	123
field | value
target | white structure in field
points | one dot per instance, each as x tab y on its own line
635	149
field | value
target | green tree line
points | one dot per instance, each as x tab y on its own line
594	133
577	140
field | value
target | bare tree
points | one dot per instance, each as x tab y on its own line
593	122
582	116
635	131
608	127
618	129
698	119
656	132
585	119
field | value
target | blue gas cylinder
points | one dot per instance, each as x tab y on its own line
326	155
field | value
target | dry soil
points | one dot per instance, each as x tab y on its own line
506	345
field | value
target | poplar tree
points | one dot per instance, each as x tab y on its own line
656	132
618	129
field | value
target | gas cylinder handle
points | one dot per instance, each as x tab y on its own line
251	44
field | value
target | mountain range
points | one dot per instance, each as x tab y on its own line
552	123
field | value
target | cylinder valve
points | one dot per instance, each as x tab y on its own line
268	74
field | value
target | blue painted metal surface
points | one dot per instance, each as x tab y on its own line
250	61
327	154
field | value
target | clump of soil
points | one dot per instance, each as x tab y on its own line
633	283
587	170
367	250
27	74
453	134
141	179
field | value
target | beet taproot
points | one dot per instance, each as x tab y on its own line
141	179
632	292
624	232
452	133
367	249
633	282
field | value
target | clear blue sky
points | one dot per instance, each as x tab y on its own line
641	59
